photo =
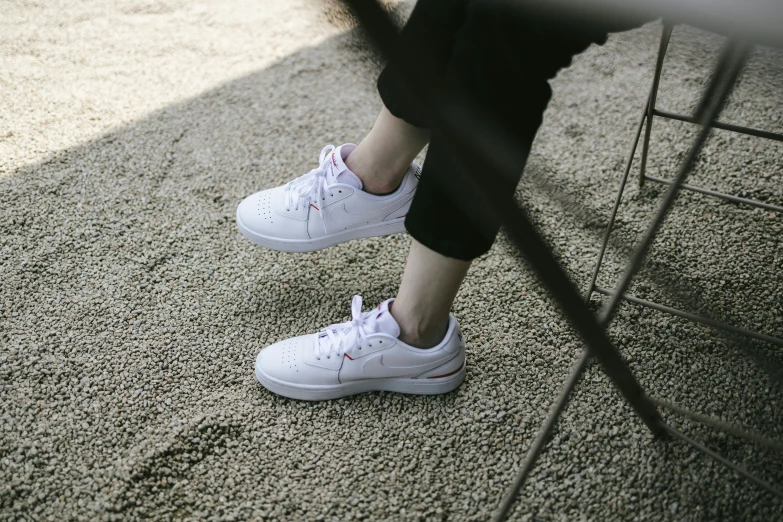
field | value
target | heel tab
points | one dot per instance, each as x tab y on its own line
412	177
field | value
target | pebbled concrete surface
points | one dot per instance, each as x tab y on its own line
131	309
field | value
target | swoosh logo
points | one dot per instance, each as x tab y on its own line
340	216
374	368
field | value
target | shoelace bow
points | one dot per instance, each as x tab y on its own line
342	338
310	187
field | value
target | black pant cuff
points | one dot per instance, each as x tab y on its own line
397	103
445	247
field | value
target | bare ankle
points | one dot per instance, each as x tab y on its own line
421	341
415	332
375	179
379	189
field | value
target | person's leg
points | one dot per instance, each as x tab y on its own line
448	233
427	291
499	69
364	191
402	130
431	280
384	155
503	68
502	64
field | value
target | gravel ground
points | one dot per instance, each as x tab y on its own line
131	309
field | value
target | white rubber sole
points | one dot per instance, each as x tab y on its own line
385	228
424	386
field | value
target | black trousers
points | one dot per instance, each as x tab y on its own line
503	62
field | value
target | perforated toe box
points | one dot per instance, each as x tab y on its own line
264	214
284	361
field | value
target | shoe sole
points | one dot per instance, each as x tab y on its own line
394	226
423	386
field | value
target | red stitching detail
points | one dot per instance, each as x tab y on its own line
446	375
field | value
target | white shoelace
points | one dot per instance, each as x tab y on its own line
310	187
342	338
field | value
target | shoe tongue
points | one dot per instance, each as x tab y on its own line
338	171
383	322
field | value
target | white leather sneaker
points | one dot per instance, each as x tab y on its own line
361	355
324	207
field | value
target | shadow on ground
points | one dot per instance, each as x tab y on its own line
132	311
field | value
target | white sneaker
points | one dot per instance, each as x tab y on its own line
324	207
361	355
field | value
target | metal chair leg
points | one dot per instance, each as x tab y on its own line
666	34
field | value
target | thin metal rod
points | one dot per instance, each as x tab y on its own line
721	195
666	34
726	72
671	282
733	64
713	100
578	369
693	317
711	105
618	199
734	429
723	460
543	436
723	126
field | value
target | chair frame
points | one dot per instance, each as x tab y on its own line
649	112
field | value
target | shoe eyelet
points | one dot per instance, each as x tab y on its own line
380	342
340	191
